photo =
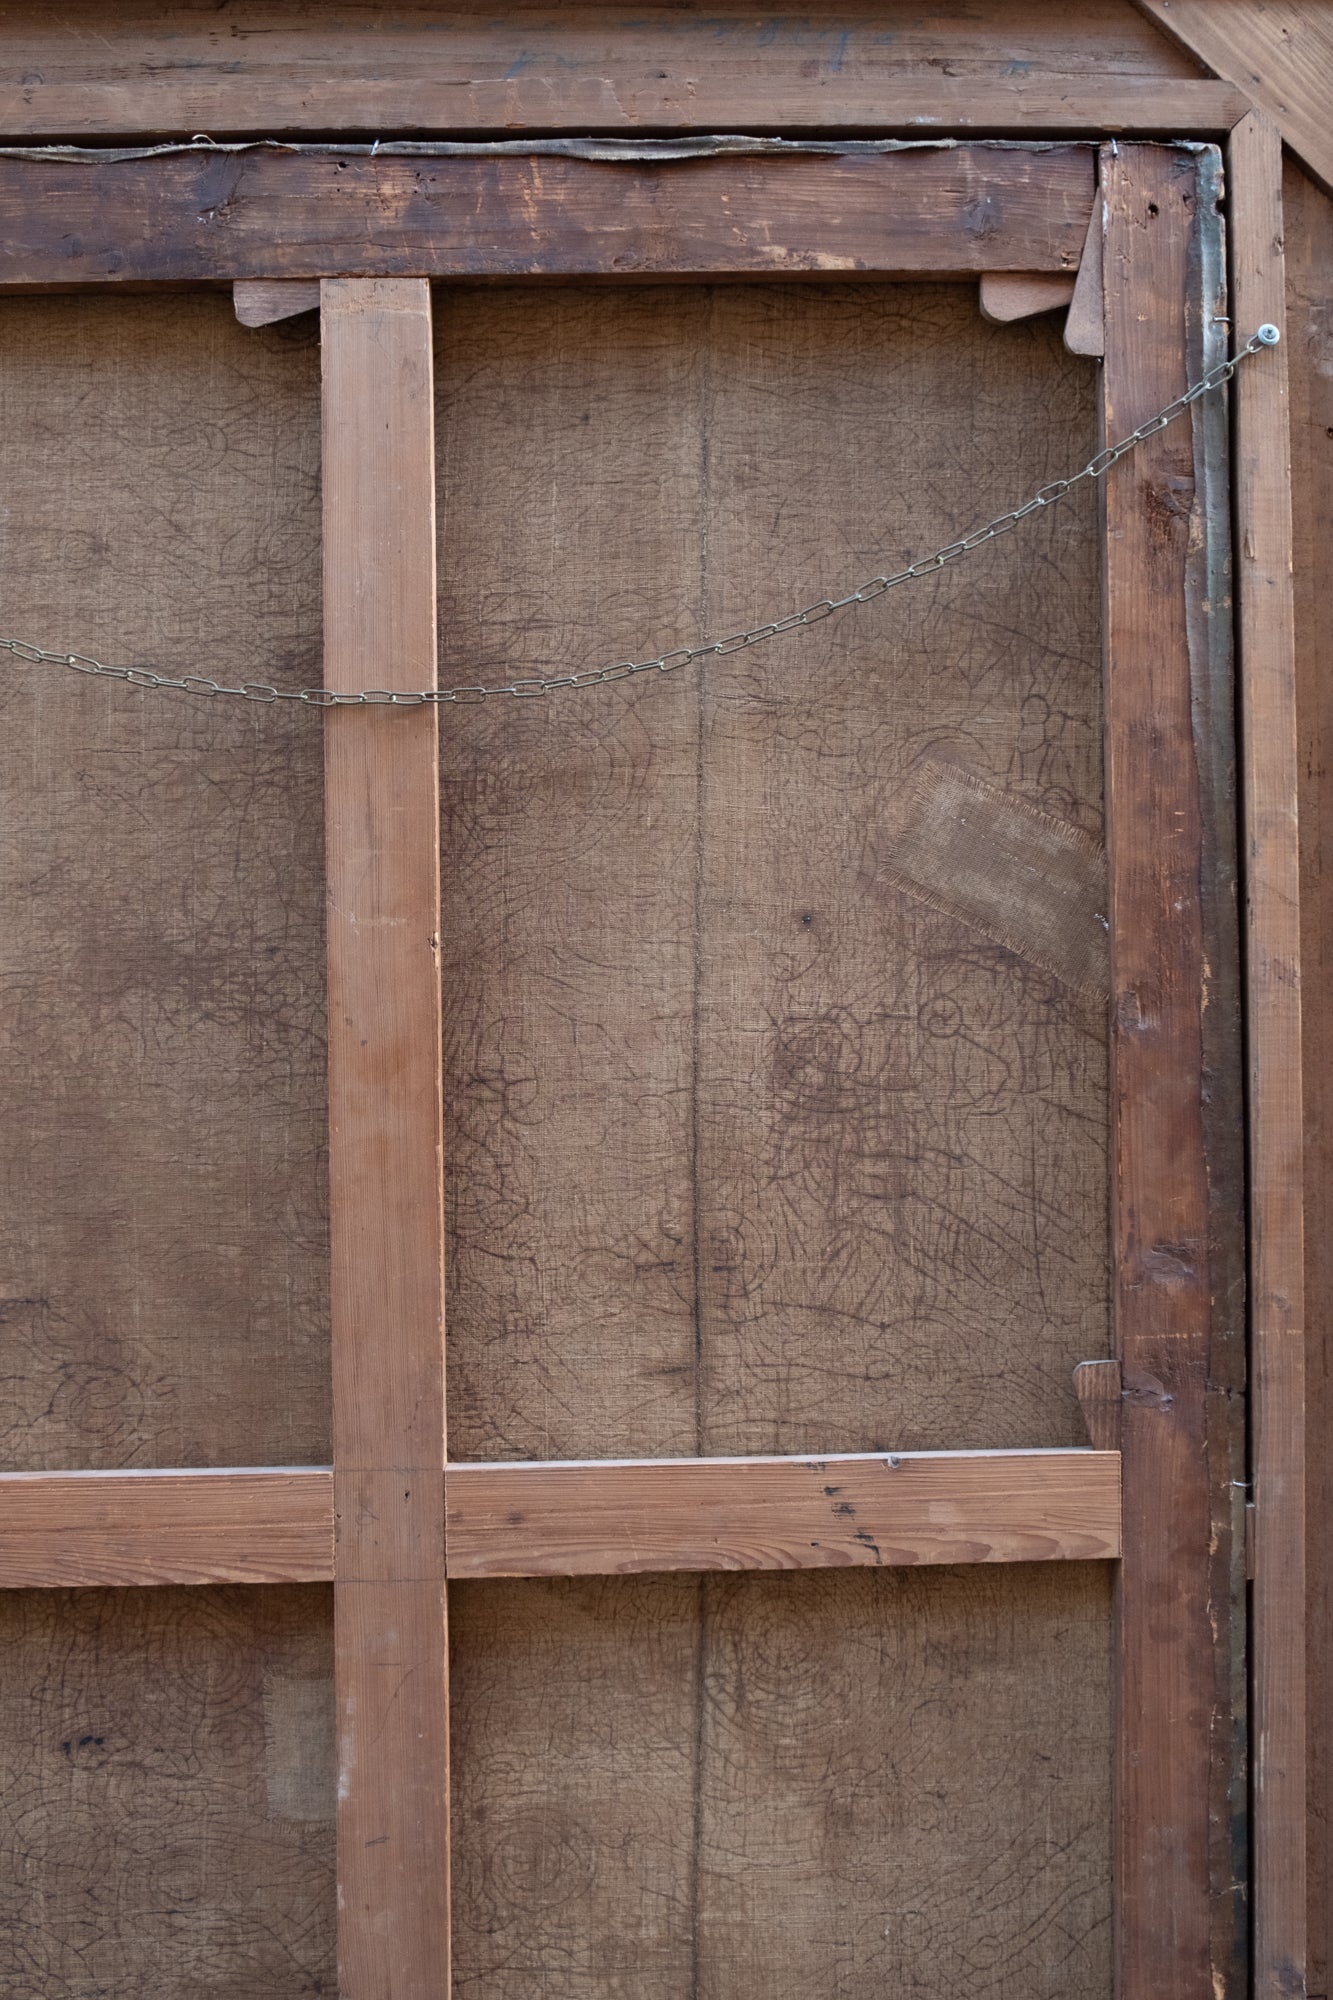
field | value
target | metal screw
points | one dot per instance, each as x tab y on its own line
1268	334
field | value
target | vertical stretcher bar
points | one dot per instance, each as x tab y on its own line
1175	1159
1270	775
385	1144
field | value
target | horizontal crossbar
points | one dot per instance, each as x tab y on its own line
950	211
245	1525
876	1509
101	99
554	1518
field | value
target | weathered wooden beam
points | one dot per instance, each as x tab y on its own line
620	1516
1270	778
385	1145
1278	54
579	68
940	211
68	1530
1175	1129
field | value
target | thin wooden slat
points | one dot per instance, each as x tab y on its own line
1172	1174
1307	236
1278	53
385	1188
66	1530
274	1524
947	211
1270	778
616	1517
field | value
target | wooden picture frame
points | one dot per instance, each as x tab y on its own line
1163	1489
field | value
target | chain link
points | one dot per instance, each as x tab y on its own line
681	656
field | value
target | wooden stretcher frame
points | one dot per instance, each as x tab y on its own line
388	1522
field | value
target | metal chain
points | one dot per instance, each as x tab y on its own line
681	656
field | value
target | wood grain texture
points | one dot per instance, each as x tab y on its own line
132	66
275	1524
944	210
270	1525
617	1517
163	1233
754	1151
1270	789
1173	967
166	1794
386	1201
1308	239
838	1785
1278	53
1211	638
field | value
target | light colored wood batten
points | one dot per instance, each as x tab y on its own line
875	1510
385	1144
575	1518
72	1530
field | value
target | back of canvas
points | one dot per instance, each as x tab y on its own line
775	1115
